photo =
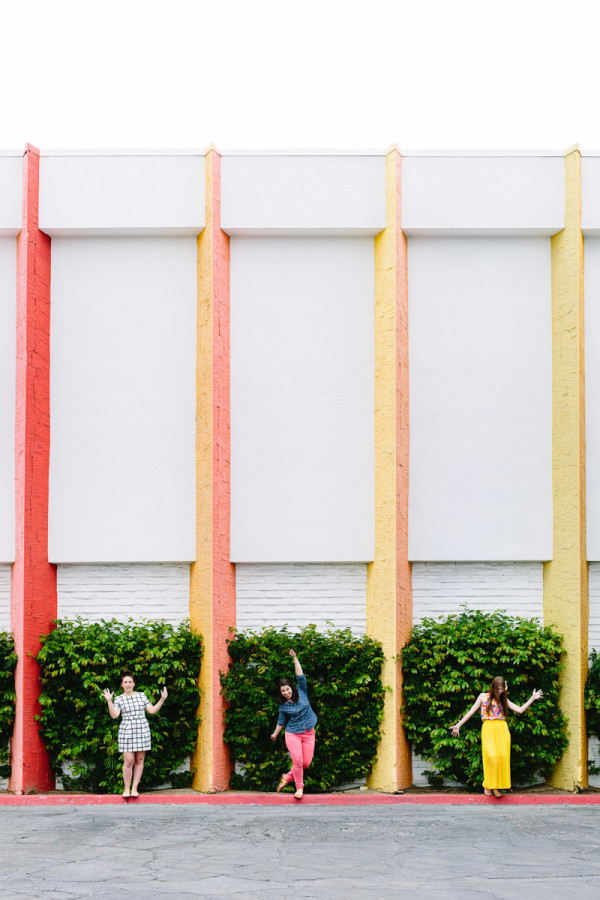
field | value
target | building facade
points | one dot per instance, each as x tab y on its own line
288	388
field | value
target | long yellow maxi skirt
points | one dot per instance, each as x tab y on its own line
495	749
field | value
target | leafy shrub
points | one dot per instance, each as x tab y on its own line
592	697
8	664
344	689
78	659
448	662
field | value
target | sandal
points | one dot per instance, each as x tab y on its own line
497	794
299	794
282	782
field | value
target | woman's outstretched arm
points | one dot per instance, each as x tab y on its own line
456	728
297	666
108	696
519	709
154	709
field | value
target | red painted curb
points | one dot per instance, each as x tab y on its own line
227	799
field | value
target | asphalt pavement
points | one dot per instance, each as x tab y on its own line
154	852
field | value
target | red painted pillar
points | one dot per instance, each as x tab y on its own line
33	588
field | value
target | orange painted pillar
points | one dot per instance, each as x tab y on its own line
33	585
212	582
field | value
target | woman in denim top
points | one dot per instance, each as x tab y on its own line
299	720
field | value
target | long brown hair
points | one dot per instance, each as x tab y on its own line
501	699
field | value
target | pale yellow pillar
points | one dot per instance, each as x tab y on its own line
566	576
389	595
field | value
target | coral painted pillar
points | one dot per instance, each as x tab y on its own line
566	576
389	590
212	586
33	590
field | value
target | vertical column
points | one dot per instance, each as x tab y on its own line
566	577
212	584
389	597
33	589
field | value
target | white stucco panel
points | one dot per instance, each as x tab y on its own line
296	193
8	300
112	193
480	399
11	193
503	193
302	399
123	345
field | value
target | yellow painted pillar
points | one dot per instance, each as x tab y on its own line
389	594
566	576
212	581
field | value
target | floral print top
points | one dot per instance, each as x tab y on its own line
491	710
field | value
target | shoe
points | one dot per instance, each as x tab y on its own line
282	782
497	794
487	793
299	794
134	794
126	796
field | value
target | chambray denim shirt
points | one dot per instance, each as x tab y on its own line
297	717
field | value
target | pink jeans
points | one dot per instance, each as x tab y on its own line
302	748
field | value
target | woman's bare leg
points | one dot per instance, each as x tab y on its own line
138	768
128	761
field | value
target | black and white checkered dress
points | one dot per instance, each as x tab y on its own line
134	731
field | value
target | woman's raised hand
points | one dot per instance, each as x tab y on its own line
164	694
455	729
108	695
292	653
537	694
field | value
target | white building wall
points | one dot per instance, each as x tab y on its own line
440	589
302	387
8	299
5	579
123	404
142	591
480	399
300	594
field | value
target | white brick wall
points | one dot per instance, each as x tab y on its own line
123	590
298	594
441	588
5	573
594	624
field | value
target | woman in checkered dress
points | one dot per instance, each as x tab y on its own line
134	731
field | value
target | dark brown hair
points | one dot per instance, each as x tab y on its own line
287	682
497	682
127	674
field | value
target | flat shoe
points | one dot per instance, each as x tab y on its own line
299	795
282	783
134	794
497	794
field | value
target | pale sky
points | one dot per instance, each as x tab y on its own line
274	74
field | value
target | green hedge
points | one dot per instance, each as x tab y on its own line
78	660
8	664
448	662
344	689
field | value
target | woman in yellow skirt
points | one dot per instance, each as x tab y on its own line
495	736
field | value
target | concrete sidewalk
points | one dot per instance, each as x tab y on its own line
153	852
